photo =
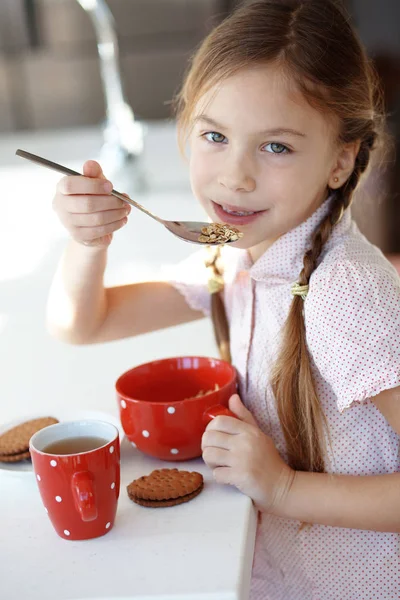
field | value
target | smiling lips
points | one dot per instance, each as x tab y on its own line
231	214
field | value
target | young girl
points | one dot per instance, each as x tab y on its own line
281	113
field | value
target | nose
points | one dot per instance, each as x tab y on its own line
236	174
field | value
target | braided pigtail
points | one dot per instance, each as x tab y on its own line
300	412
218	313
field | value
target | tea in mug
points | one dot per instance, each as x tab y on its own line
74	445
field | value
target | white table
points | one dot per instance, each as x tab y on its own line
201	550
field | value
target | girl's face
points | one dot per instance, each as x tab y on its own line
261	158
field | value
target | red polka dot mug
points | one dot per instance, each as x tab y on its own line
77	469
166	404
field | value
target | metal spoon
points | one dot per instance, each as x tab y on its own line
189	231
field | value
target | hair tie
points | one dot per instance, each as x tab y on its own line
299	290
215	284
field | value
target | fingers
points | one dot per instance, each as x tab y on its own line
215	457
87	226
97	219
86	207
89	234
91	168
223	475
78	184
238	408
216	449
87	204
216	439
227	425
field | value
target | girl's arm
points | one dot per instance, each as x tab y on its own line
81	311
358	502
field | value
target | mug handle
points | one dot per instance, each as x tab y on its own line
215	411
83	494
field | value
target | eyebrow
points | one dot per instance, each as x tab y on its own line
273	131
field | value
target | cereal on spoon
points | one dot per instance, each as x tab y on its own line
219	233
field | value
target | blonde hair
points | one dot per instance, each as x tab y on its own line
313	41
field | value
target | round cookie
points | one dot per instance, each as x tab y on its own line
165	487
16	439
162	503
10	458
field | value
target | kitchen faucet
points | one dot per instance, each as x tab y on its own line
123	134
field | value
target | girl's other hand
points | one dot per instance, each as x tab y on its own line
87	209
240	454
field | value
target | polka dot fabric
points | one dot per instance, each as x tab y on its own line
352	317
361	330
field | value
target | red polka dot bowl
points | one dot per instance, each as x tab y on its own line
165	405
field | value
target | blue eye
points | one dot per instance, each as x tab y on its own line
216	138
277	148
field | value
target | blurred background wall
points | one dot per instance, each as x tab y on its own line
50	77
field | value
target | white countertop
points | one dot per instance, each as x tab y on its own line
201	550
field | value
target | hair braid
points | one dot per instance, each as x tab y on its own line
218	313
344	197
292	380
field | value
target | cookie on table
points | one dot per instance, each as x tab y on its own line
14	443
165	487
11	458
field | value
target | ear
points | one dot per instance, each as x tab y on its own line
344	164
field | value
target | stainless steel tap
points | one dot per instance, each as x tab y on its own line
123	134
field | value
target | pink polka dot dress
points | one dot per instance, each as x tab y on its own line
352	318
